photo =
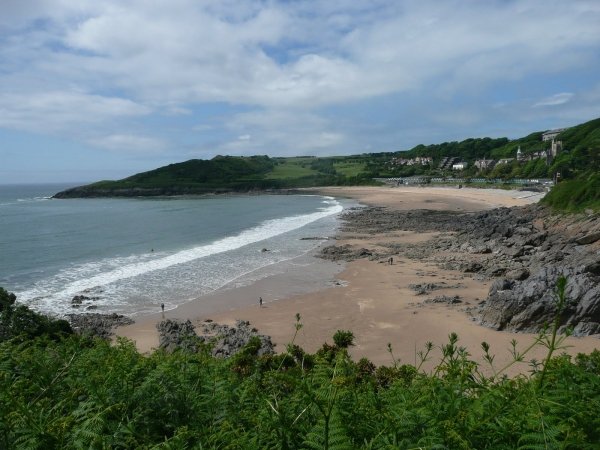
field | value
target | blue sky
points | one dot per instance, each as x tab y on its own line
104	89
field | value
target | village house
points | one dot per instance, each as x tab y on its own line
462	165
448	161
505	161
485	164
419	160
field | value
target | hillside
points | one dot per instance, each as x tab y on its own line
230	174
578	158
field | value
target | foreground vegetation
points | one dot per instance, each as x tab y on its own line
579	194
60	390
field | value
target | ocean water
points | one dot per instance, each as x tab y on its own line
130	255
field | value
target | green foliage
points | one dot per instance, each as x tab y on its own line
343	338
21	323
576	195
7	299
80	393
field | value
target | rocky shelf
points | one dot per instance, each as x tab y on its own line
523	249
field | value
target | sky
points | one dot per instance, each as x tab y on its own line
103	89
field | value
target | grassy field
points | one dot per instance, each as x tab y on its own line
290	168
349	168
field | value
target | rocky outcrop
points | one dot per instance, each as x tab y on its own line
345	253
224	340
176	334
99	325
530	304
525	249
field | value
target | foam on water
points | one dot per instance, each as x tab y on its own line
113	277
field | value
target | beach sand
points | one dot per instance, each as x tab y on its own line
370	298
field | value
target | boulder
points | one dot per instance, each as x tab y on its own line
588	238
530	304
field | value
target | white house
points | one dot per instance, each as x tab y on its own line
505	161
460	165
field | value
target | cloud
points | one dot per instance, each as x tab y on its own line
129	143
293	76
63	111
555	100
290	132
263	54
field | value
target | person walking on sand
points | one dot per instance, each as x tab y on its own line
391	260
162	306
260	302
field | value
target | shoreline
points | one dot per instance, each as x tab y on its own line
316	274
373	299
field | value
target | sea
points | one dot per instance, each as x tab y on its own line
129	255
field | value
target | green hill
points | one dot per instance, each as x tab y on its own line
579	159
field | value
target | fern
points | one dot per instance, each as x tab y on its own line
328	434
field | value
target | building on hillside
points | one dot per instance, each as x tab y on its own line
519	154
555	148
505	161
423	160
485	164
551	134
447	162
462	165
418	161
535	155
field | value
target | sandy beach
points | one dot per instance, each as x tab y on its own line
370	298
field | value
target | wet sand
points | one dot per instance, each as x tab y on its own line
370	298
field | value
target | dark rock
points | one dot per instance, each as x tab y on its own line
592	267
425	288
586	328
175	334
225	340
450	300
470	267
78	299
528	305
497	271
589	238
344	253
517	274
95	324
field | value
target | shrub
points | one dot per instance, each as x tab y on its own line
343	338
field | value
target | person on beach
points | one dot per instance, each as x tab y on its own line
391	260
260	302
162	306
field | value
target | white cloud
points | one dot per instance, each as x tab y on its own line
129	143
97	68
63	111
185	52
289	132
555	100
